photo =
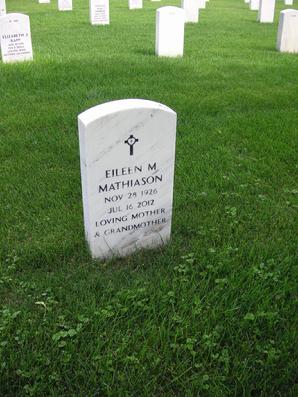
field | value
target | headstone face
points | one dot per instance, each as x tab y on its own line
246	1
15	38
65	5
266	11
254	5
44	1
127	151
288	2
191	10
287	36
135	4
99	12
169	40
2	7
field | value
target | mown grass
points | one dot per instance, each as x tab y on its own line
214	313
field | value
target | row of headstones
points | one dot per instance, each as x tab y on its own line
265	9
99	9
287	35
15	35
16	42
269	5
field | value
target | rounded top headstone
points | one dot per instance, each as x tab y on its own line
106	109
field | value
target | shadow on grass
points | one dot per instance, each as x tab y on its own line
145	52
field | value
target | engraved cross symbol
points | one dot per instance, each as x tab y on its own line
130	142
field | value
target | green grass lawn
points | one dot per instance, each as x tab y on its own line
214	313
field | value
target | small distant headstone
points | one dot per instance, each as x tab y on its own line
191	10
246	1
127	152
287	36
288	2
169	40
65	5
44	1
2	7
266	11
15	38
254	5
99	12
201	3
135	4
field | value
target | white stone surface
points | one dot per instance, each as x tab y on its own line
44	1
266	11
169	41
288	2
201	3
254	5
127	154
135	4
15	35
99	12
191	10
2	7
246	1
287	36
65	5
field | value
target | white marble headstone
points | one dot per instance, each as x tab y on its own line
201	3
127	154
191	10
2	7
15	35
135	4
169	40
65	5
99	12
266	11
246	1
288	2
254	5
44	1
287	37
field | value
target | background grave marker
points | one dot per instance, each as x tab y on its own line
169	31
99	12
16	45
135	4
287	36
201	3
191	10
254	5
65	5
266	11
